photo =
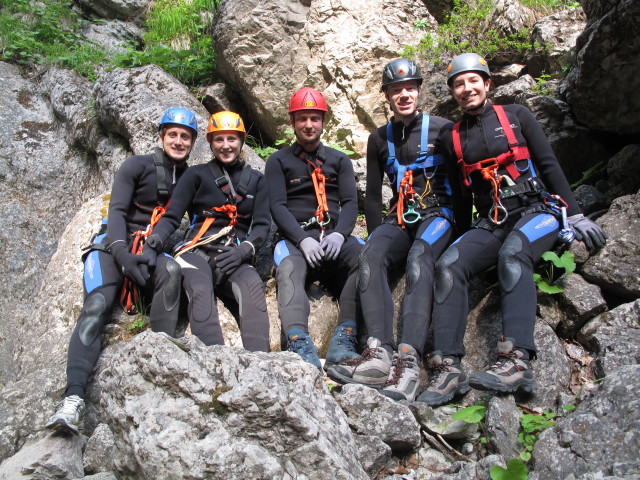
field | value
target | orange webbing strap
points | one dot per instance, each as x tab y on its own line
321	194
129	294
405	191
230	210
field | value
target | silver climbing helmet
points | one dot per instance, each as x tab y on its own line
467	62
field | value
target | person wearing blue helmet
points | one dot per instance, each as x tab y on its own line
142	187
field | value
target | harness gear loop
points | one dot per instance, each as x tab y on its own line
130	295
230	210
407	195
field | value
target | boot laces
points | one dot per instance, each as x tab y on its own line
347	338
300	345
398	367
438	370
70	405
368	354
503	359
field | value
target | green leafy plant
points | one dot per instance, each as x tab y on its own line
516	470
541	86
597	169
139	325
532	425
545	280
472	414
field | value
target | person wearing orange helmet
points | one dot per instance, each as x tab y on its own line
313	201
525	206
228	204
142	186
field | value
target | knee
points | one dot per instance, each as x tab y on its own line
91	318
201	300
509	265
444	276
171	285
366	260
249	285
415	261
288	274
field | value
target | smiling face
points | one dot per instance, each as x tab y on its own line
308	125
403	99
470	91
177	142
226	146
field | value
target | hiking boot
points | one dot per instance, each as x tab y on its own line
447	380
68	414
404	377
371	369
342	347
510	373
301	343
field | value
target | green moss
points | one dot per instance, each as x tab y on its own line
214	405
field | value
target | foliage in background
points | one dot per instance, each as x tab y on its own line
465	31
532	425
264	151
47	33
178	39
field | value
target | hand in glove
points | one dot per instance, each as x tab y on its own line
232	257
151	257
130	263
312	251
587	231
331	245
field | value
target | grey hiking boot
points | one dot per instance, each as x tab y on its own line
371	369
404	377
342	347
300	342
68	414
510	373
447	380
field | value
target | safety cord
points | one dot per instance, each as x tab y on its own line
407	194
230	210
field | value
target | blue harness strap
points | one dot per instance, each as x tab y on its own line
395	171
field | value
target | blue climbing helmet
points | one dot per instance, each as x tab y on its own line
180	116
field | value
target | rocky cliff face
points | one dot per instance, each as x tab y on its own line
159	408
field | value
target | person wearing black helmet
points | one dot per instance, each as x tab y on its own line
313	200
523	200
141	189
414	233
229	207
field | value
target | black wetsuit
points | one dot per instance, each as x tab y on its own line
419	243
530	229
198	193
133	197
293	202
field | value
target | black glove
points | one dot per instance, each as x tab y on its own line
587	231
332	244
130	263
232	257
151	257
312	251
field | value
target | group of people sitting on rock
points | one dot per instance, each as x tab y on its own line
496	159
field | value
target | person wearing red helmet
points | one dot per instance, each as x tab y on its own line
313	201
415	232
525	206
229	207
142	186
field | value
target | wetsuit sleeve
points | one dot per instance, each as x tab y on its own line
348	198
284	219
461	199
373	192
261	221
181	200
545	161
122	194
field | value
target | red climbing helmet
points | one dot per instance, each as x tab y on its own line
307	99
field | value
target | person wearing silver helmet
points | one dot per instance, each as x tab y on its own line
142	187
415	232
525	206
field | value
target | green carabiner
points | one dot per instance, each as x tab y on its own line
410	211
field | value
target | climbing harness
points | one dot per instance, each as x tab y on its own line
321	217
229	210
566	234
402	175
489	167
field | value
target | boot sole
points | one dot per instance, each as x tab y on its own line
338	377
528	387
460	390
59	426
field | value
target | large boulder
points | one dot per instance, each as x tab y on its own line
601	88
267	49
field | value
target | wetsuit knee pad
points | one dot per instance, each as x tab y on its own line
171	290
201	300
444	273
286	284
364	269
91	318
413	264
509	268
250	284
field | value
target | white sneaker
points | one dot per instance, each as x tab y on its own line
404	377
68	414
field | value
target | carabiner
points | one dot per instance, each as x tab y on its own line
499	208
410	211
326	222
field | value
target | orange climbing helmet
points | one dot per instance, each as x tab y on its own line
307	99
225	122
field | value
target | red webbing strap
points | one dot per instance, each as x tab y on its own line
230	210
406	190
